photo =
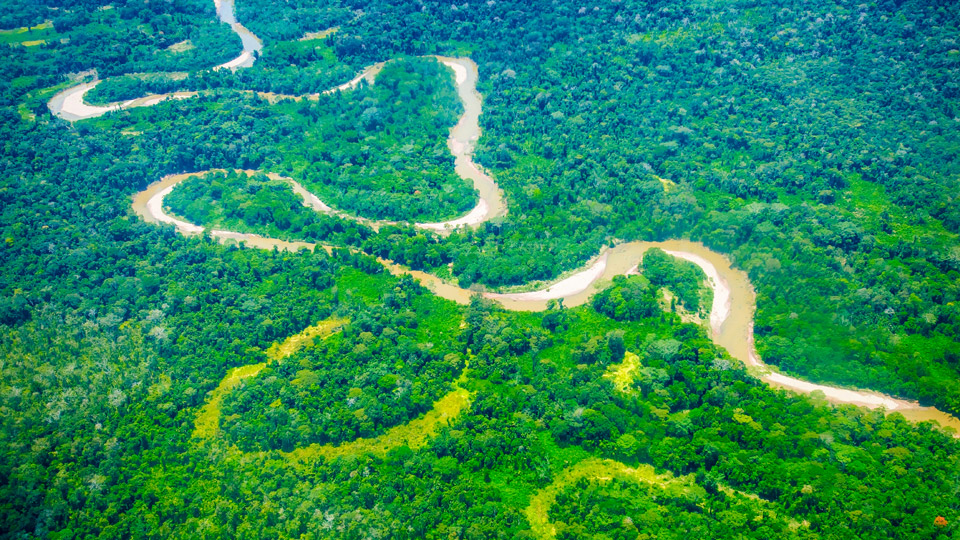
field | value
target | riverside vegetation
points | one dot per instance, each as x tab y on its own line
814	143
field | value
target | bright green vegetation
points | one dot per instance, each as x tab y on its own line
631	298
207	422
294	68
381	152
682	278
384	369
297	67
29	36
403	438
777	154
111	38
813	142
614	502
277	23
237	201
623	374
322	330
603	498
586	474
539	402
143	34
126	87
35	102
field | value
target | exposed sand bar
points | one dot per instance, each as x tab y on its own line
70	106
720	309
732	311
368	74
251	43
461	141
731	314
577	283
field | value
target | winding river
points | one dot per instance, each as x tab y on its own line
251	43
732	311
70	105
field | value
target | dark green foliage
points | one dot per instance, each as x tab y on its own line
684	279
291	68
124	87
774	148
628	299
378	152
622	510
277	22
124	37
238	202
382	153
814	143
384	369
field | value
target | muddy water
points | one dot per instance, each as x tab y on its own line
70	105
147	206
368	74
461	141
731	316
251	43
732	312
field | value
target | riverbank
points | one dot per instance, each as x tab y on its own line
70	105
731	313
461	142
734	301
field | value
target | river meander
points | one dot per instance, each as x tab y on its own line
732	311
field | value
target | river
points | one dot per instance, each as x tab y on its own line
732	311
70	105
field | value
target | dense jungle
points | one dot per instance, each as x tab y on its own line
368	269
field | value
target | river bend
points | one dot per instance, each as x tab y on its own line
732	311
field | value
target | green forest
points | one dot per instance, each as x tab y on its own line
155	384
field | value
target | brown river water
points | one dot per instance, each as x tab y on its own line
731	317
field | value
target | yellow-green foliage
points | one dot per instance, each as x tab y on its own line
292	344
603	470
309	36
28	36
623	374
207	423
414	434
